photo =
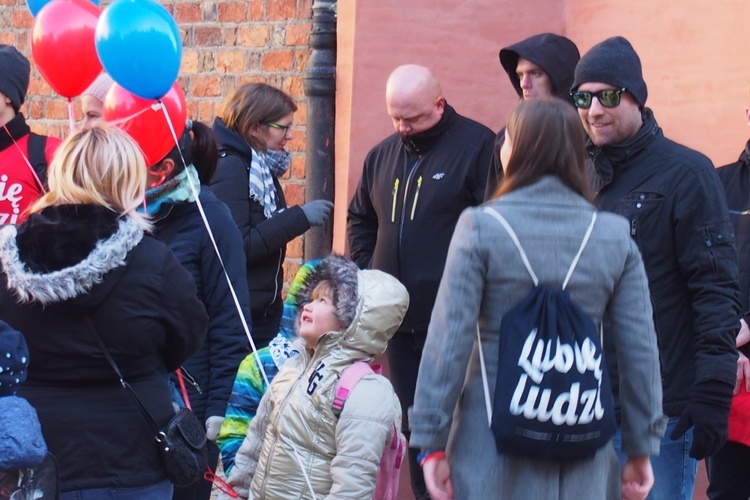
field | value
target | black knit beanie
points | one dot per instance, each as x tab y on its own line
14	75
614	62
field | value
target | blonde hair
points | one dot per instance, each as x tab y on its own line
99	166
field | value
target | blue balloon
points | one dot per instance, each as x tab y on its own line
36	5
139	45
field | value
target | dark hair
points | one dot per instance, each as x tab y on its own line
546	138
255	103
198	146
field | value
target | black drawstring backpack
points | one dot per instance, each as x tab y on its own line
553	398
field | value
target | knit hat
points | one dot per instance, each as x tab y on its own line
100	87
614	62
14	358
14	77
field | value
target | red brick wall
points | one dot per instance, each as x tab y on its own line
225	44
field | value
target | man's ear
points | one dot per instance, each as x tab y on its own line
747	115
161	172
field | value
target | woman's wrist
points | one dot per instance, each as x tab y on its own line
427	455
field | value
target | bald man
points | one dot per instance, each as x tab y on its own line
414	186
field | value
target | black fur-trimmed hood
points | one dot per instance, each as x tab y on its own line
62	252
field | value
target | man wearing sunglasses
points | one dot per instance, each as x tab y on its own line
675	206
538	66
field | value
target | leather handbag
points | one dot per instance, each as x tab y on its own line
182	443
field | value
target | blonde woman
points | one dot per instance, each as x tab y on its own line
83	254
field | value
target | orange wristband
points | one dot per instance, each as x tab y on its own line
435	455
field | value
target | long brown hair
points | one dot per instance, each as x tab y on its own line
546	138
255	103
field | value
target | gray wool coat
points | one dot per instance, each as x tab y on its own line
484	277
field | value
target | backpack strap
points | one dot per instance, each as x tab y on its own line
38	159
580	250
514	238
348	380
525	259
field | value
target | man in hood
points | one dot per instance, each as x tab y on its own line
539	66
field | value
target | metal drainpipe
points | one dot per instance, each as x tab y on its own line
320	89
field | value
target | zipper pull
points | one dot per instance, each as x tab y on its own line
632	228
395	192
416	197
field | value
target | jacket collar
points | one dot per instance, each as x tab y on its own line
229	139
37	266
745	155
550	189
422	142
609	158
17	128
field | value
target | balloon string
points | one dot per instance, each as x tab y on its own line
183	389
42	189
71	116
216	249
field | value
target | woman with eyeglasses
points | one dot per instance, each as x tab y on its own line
252	133
544	199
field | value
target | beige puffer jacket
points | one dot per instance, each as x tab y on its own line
339	456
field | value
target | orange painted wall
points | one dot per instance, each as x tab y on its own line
694	53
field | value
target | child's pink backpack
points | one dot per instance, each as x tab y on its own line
389	469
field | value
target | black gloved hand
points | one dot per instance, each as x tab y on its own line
317	211
708	413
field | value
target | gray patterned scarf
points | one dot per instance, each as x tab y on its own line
263	168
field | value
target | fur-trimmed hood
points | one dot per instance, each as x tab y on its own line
370	305
62	252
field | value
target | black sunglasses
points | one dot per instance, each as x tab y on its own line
609	98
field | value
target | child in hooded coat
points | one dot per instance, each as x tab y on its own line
295	443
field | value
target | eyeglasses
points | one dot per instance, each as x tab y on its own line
609	98
279	126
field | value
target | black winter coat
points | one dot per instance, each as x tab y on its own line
678	216
144	306
264	239
408	201
209	373
736	180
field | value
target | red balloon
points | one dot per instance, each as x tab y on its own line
145	122
63	48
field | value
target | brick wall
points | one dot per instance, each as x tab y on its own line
225	44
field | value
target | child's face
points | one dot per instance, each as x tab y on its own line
318	318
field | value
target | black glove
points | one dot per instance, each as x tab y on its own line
708	413
317	211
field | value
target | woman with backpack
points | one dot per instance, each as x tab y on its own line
252	132
534	412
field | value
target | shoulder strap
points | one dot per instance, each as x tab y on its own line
514	238
525	259
38	157
350	377
580	250
127	386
